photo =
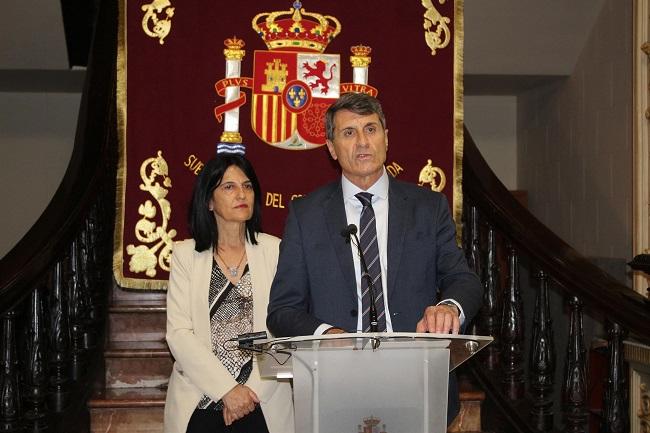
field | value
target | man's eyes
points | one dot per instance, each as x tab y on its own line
347	133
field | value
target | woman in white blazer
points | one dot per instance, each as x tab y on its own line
218	288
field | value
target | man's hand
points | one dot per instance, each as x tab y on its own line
439	319
334	330
237	403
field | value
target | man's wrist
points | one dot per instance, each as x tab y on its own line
451	304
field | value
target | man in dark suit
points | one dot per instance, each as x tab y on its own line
421	279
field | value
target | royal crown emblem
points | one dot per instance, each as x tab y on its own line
296	29
293	83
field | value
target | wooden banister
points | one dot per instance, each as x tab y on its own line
579	277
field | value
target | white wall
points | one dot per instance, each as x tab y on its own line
36	139
492	122
526	37
575	143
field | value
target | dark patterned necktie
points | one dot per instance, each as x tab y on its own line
370	248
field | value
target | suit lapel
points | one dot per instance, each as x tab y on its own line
399	209
334	210
259	280
203	270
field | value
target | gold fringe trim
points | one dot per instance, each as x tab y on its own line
459	118
118	235
636	352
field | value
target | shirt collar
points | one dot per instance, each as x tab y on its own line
378	189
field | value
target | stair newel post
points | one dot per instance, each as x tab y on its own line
36	363
575	377
85	263
474	259
97	247
489	310
59	341
75	308
92	233
615	416
512	331
542	360
9	389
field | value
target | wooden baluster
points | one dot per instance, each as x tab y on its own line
98	259
615	416
466	228
59	341
474	258
575	377
36	364
76	308
489	311
512	331
542	360
9	389
87	283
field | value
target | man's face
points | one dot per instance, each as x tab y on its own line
359	145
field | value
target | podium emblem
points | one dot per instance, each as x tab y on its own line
370	425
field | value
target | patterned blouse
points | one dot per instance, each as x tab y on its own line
231	314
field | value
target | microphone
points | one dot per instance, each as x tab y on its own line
351	232
247	341
249	337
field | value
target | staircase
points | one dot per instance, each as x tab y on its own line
138	364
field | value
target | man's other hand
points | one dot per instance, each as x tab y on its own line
439	319
335	330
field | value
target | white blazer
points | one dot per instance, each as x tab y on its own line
197	371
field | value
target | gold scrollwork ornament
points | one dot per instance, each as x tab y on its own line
433	176
154	26
437	33
157	240
644	409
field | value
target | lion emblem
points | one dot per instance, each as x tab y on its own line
318	71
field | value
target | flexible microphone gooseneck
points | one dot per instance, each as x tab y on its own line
348	233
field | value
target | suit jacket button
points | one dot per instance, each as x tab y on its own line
353	313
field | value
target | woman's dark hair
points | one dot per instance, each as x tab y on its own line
203	227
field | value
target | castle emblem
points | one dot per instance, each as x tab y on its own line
294	81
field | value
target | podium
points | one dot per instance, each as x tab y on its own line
368	382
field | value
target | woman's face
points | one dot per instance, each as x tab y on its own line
232	200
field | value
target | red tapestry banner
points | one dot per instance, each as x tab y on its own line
259	76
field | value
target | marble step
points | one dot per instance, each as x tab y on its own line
128	410
137	364
137	320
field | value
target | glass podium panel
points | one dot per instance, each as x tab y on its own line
396	390
368	383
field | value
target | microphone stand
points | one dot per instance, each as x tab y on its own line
372	314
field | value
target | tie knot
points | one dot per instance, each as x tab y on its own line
365	198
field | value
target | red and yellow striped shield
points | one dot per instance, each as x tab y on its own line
291	92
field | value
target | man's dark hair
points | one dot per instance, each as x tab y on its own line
203	227
359	103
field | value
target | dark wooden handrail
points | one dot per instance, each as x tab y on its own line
58	224
574	273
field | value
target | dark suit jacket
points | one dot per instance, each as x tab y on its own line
315	281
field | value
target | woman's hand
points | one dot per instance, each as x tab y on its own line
237	403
